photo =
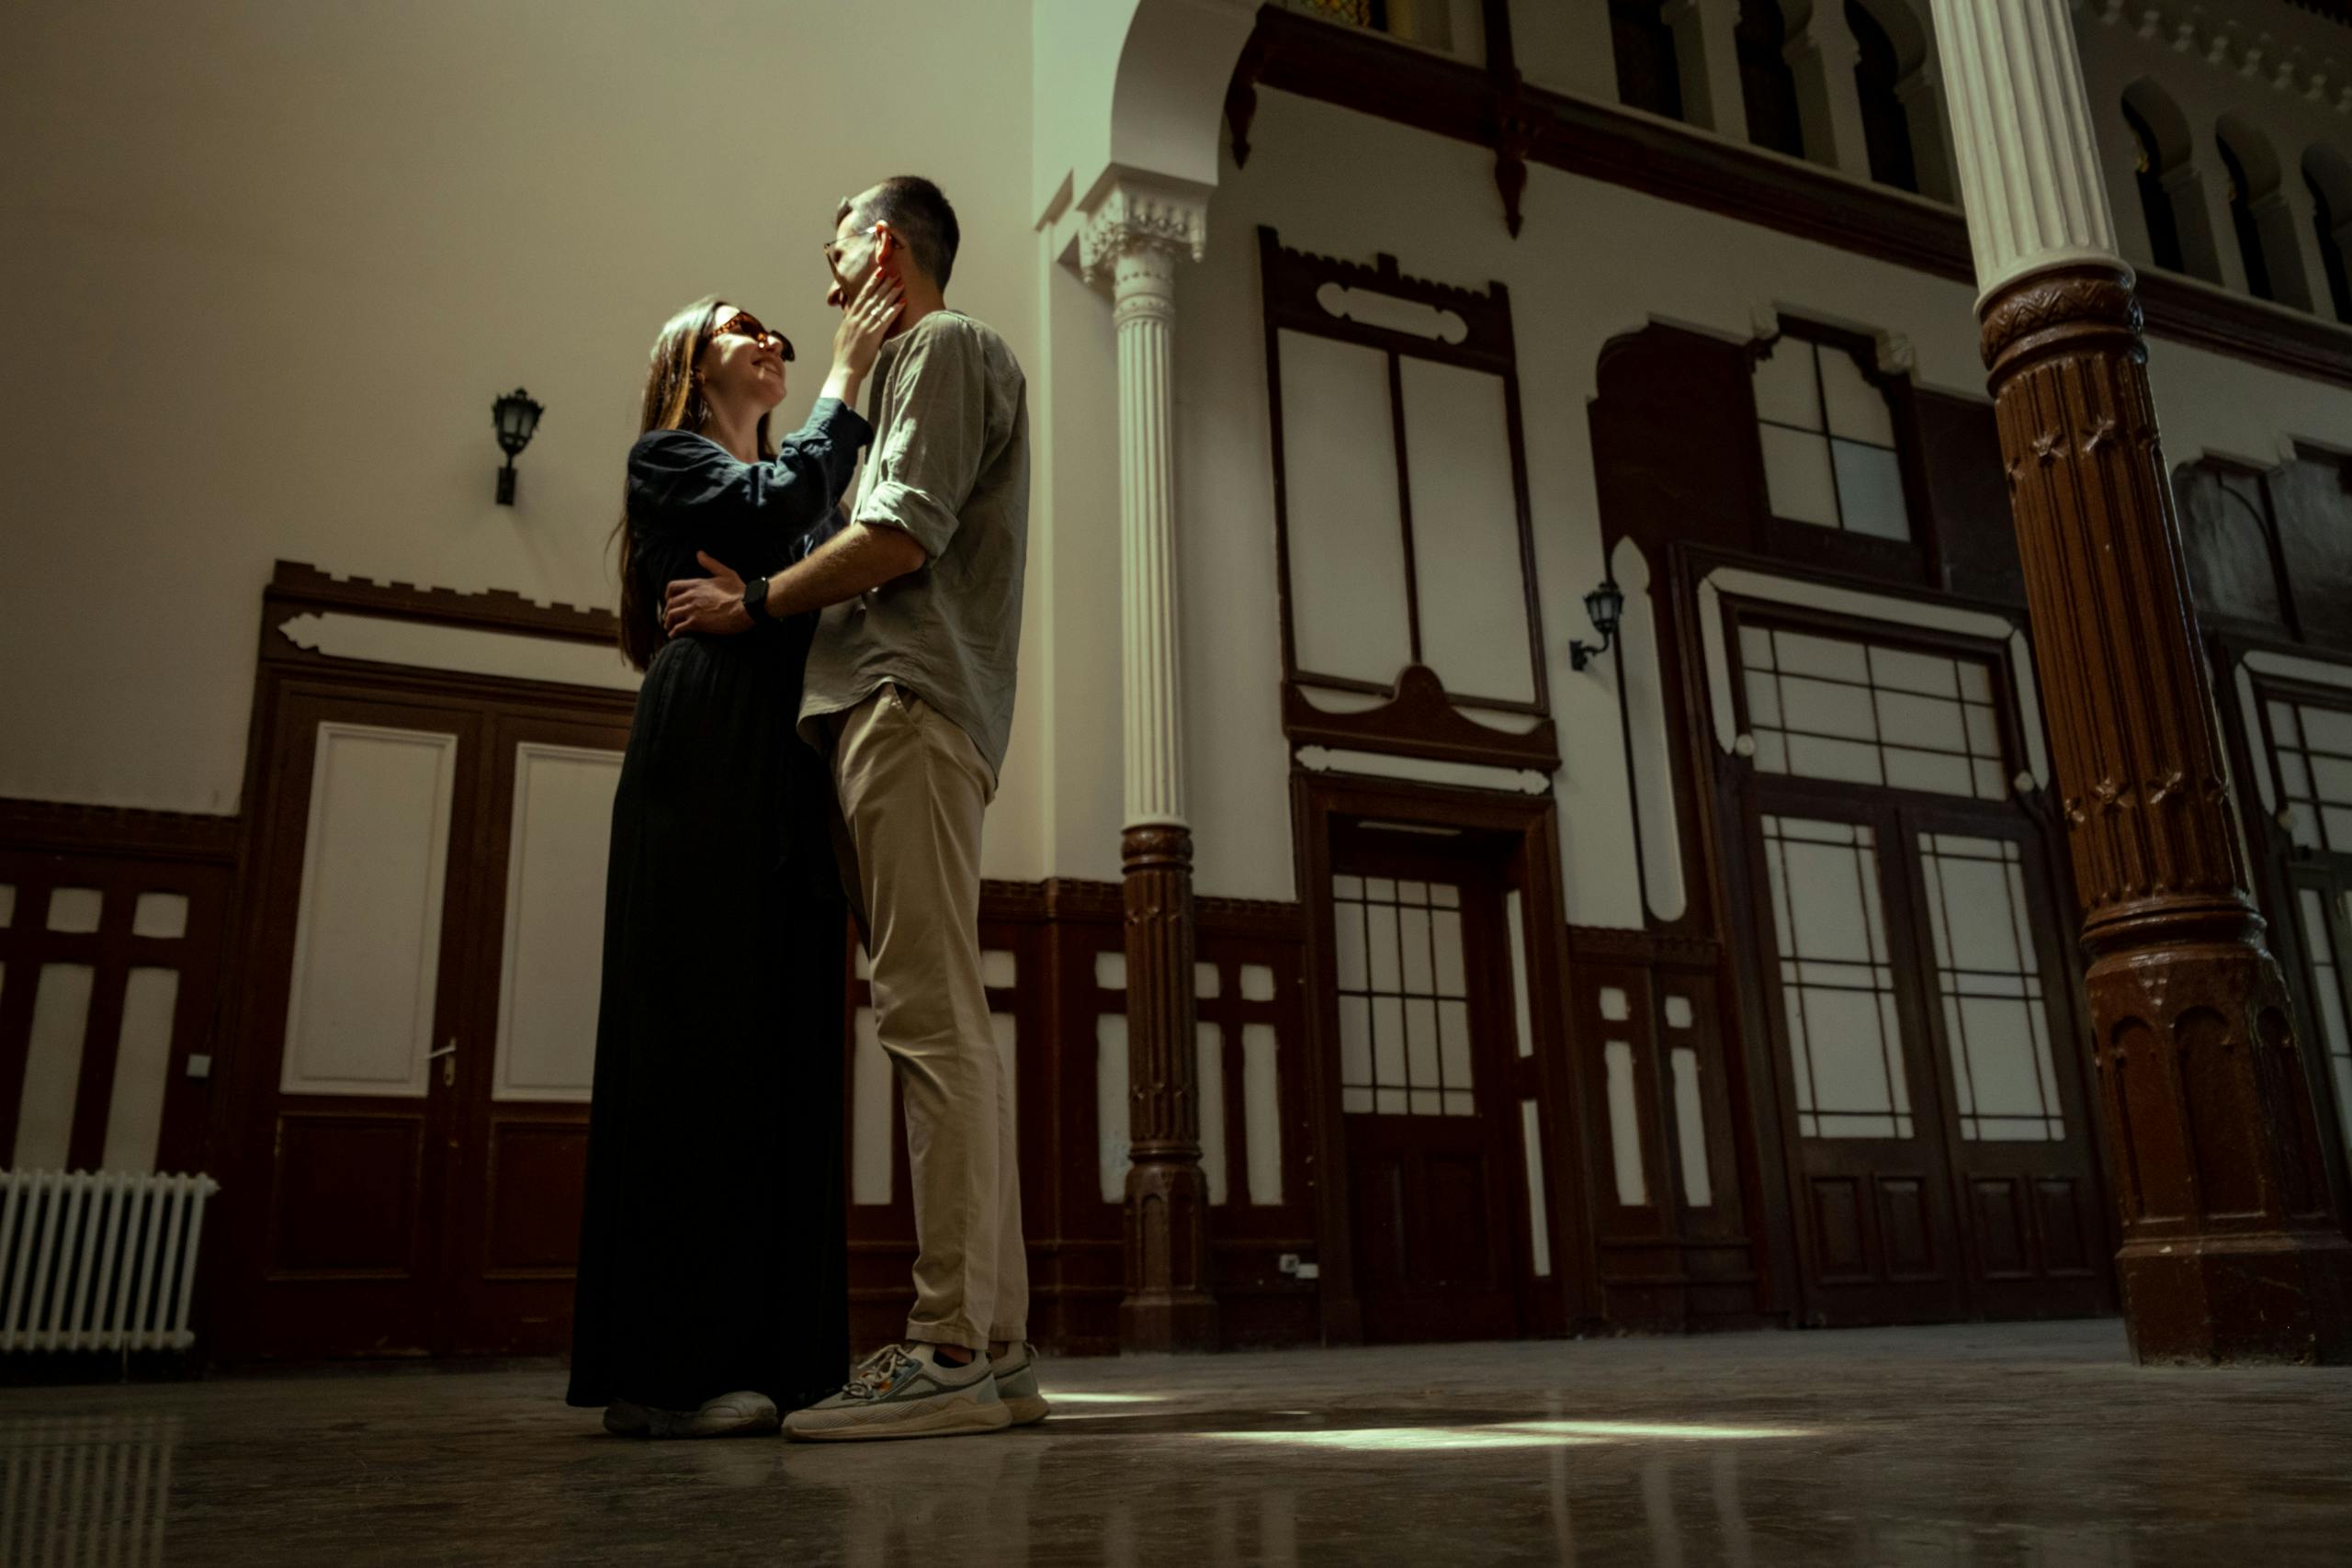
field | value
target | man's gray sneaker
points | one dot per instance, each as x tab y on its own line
905	1391
1016	1384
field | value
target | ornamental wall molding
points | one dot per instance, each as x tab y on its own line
1132	213
2228	44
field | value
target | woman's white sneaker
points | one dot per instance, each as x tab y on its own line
905	1391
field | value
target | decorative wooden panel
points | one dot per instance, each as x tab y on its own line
110	926
1684	1255
536	1179
345	1201
1407	581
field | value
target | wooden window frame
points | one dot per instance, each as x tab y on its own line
1812	547
1421	717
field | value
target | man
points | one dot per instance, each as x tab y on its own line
910	689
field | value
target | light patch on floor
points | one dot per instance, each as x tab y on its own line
1392	1439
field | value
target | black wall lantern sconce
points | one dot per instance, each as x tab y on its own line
517	417
1605	605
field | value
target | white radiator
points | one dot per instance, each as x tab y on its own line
101	1260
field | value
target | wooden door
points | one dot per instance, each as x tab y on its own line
518	1142
1877	1237
346	1082
2000	1007
1430	1128
430	876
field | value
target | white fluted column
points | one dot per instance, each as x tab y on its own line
1143	288
2232	1255
2022	138
1135	233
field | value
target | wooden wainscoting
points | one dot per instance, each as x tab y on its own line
1055	959
1671	1161
110	952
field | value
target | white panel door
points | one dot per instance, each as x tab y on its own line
552	968
368	931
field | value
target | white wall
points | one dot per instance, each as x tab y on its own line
269	263
272	262
1595	261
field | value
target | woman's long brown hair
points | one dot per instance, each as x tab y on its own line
672	402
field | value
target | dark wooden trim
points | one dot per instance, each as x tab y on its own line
1660	949
1417	721
2188	311
1361	70
1405	506
296	587
43	827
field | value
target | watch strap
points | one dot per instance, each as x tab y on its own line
755	600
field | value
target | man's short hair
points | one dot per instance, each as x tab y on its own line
919	213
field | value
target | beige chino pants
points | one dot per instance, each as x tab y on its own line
912	790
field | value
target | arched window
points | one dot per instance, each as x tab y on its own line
2155	201
2329	177
1886	124
2242	221
1649	74
1765	79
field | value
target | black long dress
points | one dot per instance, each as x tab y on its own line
712	1249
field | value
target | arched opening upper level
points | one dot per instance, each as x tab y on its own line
2165	175
2327	175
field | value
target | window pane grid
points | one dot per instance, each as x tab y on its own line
2327	995
1404	998
1836	980
1989	977
1862	713
1828	439
2312	751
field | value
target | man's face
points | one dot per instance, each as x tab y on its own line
852	256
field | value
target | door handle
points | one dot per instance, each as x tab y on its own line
448	1067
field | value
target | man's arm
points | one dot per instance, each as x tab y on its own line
861	556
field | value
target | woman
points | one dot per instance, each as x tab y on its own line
712	1288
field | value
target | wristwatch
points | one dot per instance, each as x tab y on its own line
755	600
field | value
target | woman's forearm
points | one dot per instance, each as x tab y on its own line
843	383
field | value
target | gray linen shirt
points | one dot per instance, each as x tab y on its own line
949	464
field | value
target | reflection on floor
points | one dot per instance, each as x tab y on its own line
1981	1445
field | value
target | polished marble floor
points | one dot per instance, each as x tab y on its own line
1979	1445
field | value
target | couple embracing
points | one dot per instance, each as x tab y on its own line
829	686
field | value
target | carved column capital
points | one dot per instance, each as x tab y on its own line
1151	221
2048	312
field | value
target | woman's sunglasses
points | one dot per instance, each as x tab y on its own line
742	323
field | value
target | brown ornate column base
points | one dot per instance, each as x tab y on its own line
2231	1250
2231	1253
1167	1305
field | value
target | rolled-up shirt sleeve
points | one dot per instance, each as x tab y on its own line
925	471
